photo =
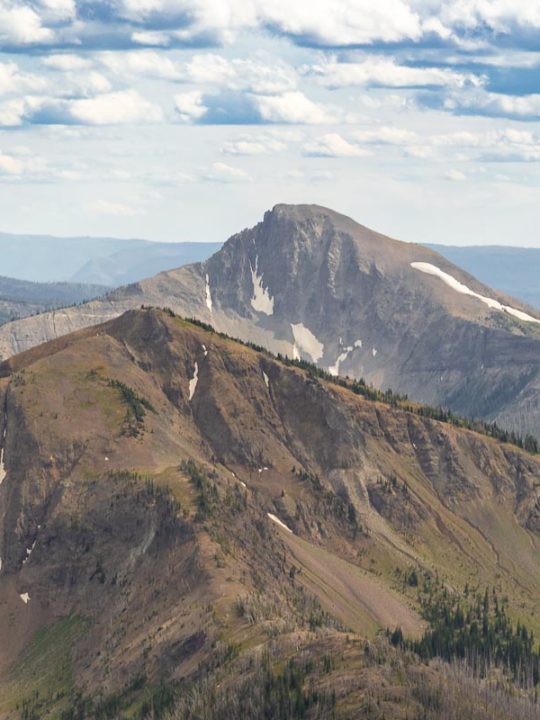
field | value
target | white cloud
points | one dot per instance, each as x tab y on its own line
20	161
221	172
293	107
520	107
66	62
58	10
333	145
21	25
260	74
155	38
387	135
249	145
10	165
115	209
208	68
12	112
347	22
190	106
14	81
386	72
455	175
115	108
141	63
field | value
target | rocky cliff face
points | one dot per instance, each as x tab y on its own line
155	475
310	283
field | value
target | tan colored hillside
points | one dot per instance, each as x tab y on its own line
170	497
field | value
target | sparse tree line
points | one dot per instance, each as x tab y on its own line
388	397
475	628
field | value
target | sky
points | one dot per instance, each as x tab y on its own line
187	119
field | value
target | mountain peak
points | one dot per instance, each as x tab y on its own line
311	283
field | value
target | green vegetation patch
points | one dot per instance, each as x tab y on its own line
136	407
42	677
473	627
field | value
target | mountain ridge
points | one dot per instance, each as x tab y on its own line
162	456
310	282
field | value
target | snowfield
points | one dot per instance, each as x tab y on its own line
261	301
306	341
194	380
208	295
459	287
275	519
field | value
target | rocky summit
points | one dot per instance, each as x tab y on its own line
308	282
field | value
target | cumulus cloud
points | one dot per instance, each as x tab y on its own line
378	71
455	175
22	25
237	108
114	108
20	161
66	62
524	107
293	107
190	106
250	145
386	135
467	24
10	165
13	80
334	145
141	63
223	173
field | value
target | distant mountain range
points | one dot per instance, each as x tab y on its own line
310	283
514	270
114	262
102	261
21	298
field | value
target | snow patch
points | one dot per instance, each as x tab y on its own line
261	301
275	519
208	295
334	369
307	342
29	552
194	380
2	466
374	351
459	287
25	597
266	380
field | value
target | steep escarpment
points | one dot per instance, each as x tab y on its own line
172	498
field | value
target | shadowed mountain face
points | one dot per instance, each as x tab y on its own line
173	501
314	284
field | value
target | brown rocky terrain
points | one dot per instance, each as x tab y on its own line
173	501
312	283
